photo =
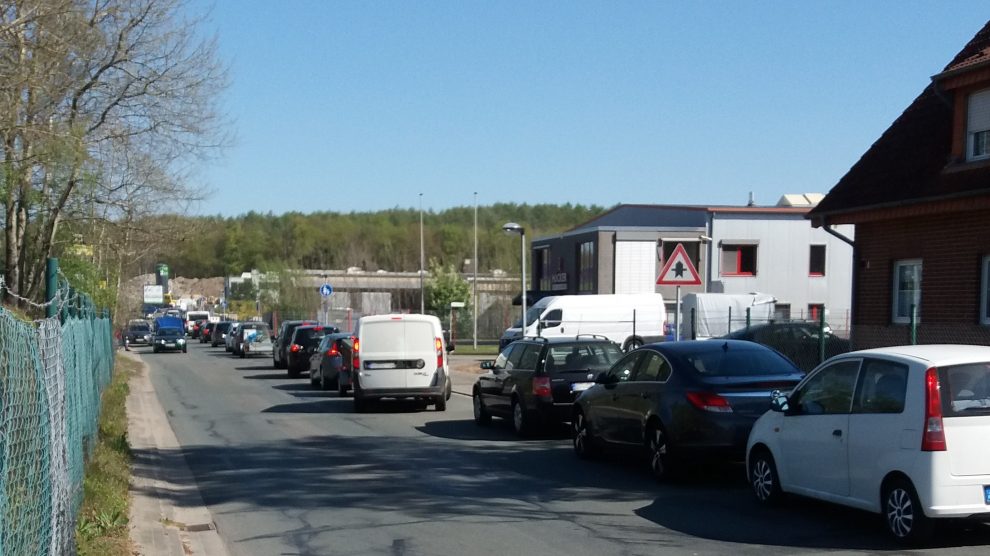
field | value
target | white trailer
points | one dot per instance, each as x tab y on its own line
710	315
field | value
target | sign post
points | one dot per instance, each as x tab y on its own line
678	271
326	290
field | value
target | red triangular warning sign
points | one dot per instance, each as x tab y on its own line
679	270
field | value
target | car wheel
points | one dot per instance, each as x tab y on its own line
360	405
763	477
633	343
293	372
905	518
440	404
658	452
341	388
315	381
520	422
274	362
324	385
450	388
481	416
584	443
184	349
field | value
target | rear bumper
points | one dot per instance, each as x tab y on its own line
249	352
552	412
705	436
429	392
946	495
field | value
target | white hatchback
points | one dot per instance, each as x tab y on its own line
902	431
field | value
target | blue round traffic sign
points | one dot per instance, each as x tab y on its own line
326	290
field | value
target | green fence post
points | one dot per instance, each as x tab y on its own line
730	320
51	287
821	334
694	330
749	317
914	324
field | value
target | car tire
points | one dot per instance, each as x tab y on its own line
440	404
314	381
154	349
184	348
242	354
274	363
360	405
292	372
658	452
341	388
585	445
763	478
631	344
520	421
324	383
450	388
903	514
481	416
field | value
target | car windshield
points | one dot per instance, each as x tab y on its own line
583	357
737	360
140	328
170	332
966	389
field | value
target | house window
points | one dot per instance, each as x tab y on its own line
906	290
586	266
816	260
985	291
978	126
690	247
815	311
543	267
738	260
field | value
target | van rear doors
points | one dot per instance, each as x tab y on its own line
401	352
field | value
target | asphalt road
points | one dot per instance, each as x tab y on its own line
289	470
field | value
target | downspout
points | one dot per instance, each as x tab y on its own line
855	276
828	229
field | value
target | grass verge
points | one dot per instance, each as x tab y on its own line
102	525
468	349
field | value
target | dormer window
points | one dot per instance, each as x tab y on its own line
978	126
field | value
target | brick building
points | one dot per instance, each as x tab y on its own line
919	199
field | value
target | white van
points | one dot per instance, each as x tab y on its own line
401	357
629	320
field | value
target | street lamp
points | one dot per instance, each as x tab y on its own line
513	228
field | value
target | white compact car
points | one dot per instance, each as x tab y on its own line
400	357
901	431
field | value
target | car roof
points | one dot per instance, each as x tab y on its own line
691	347
938	355
557	340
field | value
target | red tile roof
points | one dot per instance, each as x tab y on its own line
909	163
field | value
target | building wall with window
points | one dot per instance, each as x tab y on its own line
953	250
782	255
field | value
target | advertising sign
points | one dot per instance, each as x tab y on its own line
154	294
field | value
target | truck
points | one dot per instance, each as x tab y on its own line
629	320
710	315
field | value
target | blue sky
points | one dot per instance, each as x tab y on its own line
361	105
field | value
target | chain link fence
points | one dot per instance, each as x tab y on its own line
52	373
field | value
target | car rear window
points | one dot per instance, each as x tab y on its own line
309	336
965	389
582	357
223	326
737	361
140	327
396	336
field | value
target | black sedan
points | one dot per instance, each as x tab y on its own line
680	401
330	365
799	341
305	339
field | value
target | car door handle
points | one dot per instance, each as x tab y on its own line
837	432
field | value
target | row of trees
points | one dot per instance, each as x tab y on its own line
105	105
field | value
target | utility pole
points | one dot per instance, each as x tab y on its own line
422	260
474	284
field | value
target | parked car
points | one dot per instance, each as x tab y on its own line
196	328
169	339
400	357
283	339
231	337
253	338
138	332
798	341
206	333
535	381
220	332
330	364
304	341
900	431
681	401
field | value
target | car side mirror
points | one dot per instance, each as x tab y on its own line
450	347
605	378
488	365
779	402
273	337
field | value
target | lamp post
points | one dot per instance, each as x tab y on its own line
513	228
474	284
422	257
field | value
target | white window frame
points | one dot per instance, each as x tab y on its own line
973	126
895	292
985	291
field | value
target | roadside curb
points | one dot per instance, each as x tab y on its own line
167	514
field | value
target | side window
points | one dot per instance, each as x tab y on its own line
883	387
515	356
553	319
653	368
828	391
502	361
529	357
623	370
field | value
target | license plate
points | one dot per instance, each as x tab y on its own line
386	365
581	386
986	495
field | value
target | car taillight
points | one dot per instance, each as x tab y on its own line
295	348
333	350
709	401
438	342
541	386
356	360
933	438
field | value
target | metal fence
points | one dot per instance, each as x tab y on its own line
52	373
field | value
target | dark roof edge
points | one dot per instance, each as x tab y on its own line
822	215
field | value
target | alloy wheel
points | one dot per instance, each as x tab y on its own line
900	512
580	434
518	418
658	453
762	477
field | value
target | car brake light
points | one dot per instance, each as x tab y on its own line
541	386
356	360
709	401
933	438
295	348
439	345
333	350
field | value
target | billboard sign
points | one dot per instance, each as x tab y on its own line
154	294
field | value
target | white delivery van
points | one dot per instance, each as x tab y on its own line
400	357
714	311
629	320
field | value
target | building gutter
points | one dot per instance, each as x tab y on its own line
828	228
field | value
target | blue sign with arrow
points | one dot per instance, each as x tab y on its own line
326	290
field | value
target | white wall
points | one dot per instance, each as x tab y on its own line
782	261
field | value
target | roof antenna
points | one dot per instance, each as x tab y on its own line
752	202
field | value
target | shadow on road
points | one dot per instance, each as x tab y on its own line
500	429
258	368
268	376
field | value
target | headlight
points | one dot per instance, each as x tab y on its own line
181	341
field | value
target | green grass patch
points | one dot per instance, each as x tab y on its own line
102	525
468	349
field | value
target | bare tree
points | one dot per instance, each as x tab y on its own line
103	106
